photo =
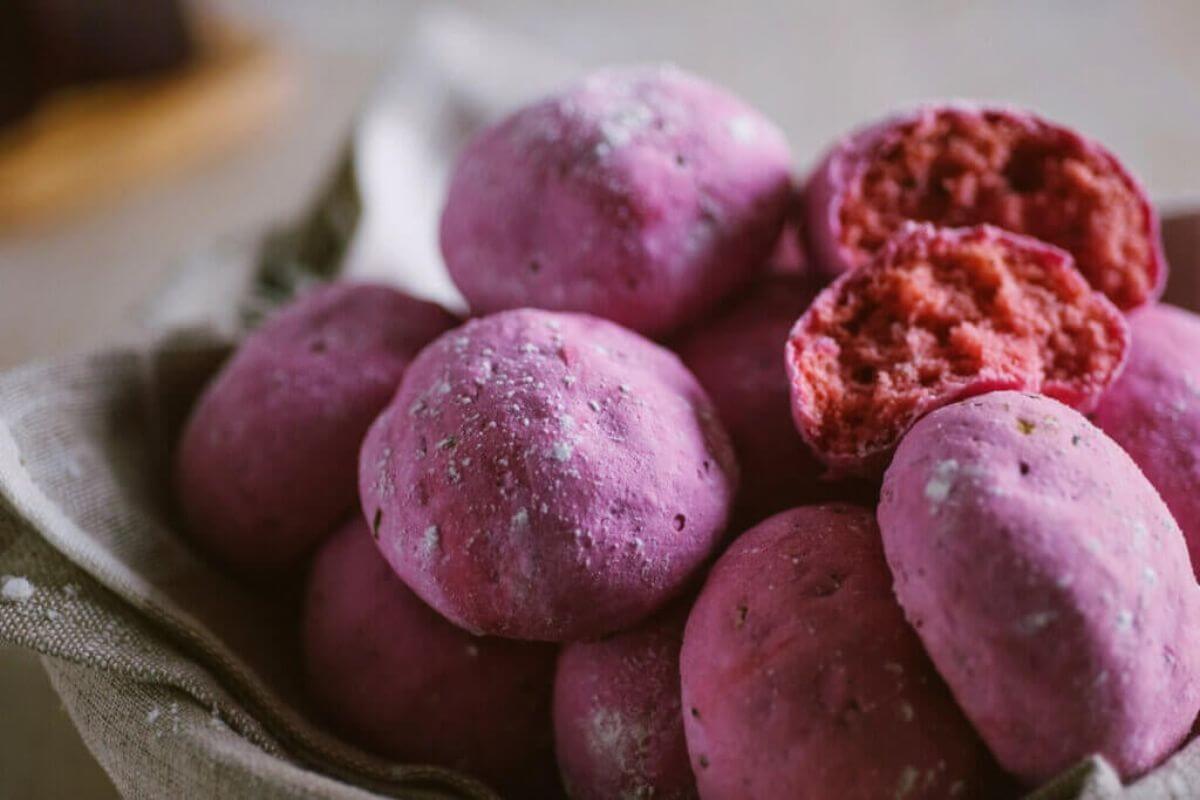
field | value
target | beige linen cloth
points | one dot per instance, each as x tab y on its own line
181	682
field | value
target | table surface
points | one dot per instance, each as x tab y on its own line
1128	73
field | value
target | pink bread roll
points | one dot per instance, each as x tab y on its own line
938	315
639	194
964	164
618	729
266	464
1048	582
396	678
738	357
543	475
802	679
1153	411
789	258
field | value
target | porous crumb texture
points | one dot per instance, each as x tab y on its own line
548	476
938	315
958	166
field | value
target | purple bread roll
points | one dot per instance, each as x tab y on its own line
788	258
399	680
802	679
618	729
543	475
642	195
266	464
738	357
1153	411
1048	582
963	164
938	315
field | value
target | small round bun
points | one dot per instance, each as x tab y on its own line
266	464
1153	411
1048	582
802	679
618	729
641	194
543	475
738	357
399	680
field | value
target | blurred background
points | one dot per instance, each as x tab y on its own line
135	135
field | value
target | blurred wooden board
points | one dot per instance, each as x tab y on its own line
86	146
1181	238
